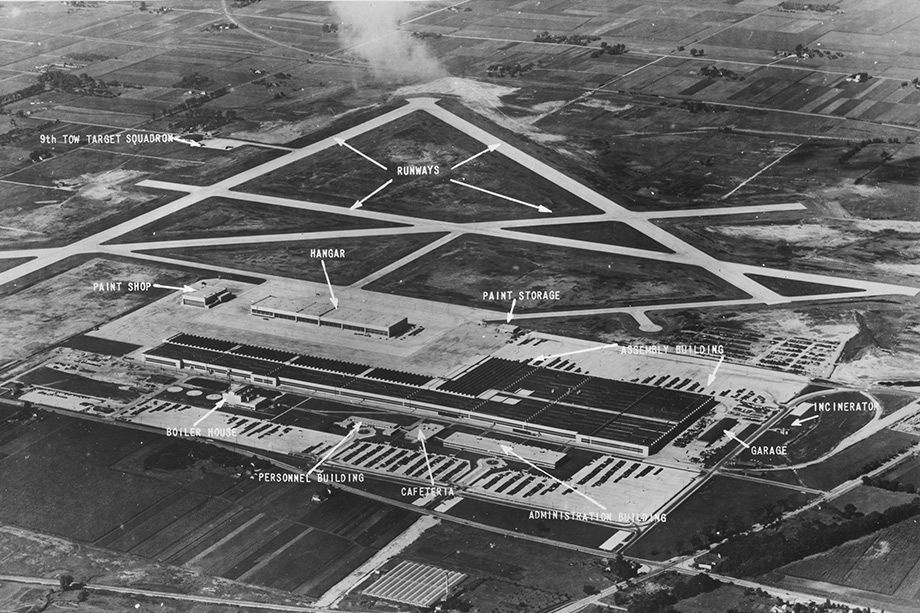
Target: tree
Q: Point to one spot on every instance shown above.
(623, 568)
(65, 581)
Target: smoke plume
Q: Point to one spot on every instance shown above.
(371, 31)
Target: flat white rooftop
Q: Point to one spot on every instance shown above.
(349, 312)
(206, 291)
(537, 455)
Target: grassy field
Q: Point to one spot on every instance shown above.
(460, 271)
(727, 598)
(811, 243)
(56, 302)
(892, 401)
(868, 499)
(338, 176)
(850, 462)
(12, 263)
(507, 518)
(222, 165)
(791, 287)
(705, 512)
(98, 192)
(907, 472)
(605, 232)
(292, 259)
(53, 306)
(218, 216)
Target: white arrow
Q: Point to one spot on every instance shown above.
(540, 208)
(510, 314)
(329, 454)
(732, 435)
(509, 451)
(332, 298)
(341, 142)
(799, 422)
(421, 439)
(359, 203)
(488, 149)
(184, 289)
(541, 357)
(219, 404)
(712, 376)
(188, 141)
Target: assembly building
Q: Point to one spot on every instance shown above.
(506, 395)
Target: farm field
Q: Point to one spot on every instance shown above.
(30, 553)
(57, 467)
(690, 525)
(154, 500)
(339, 176)
(219, 216)
(460, 271)
(885, 562)
(292, 259)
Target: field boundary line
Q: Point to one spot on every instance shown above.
(761, 171)
(213, 547)
(265, 561)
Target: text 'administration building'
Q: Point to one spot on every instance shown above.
(510, 396)
(320, 312)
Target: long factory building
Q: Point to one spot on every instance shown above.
(511, 396)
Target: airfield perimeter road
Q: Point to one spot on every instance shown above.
(733, 273)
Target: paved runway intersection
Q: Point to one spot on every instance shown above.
(733, 273)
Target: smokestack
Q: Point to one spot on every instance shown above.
(370, 30)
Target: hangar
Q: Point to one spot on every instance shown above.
(318, 311)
